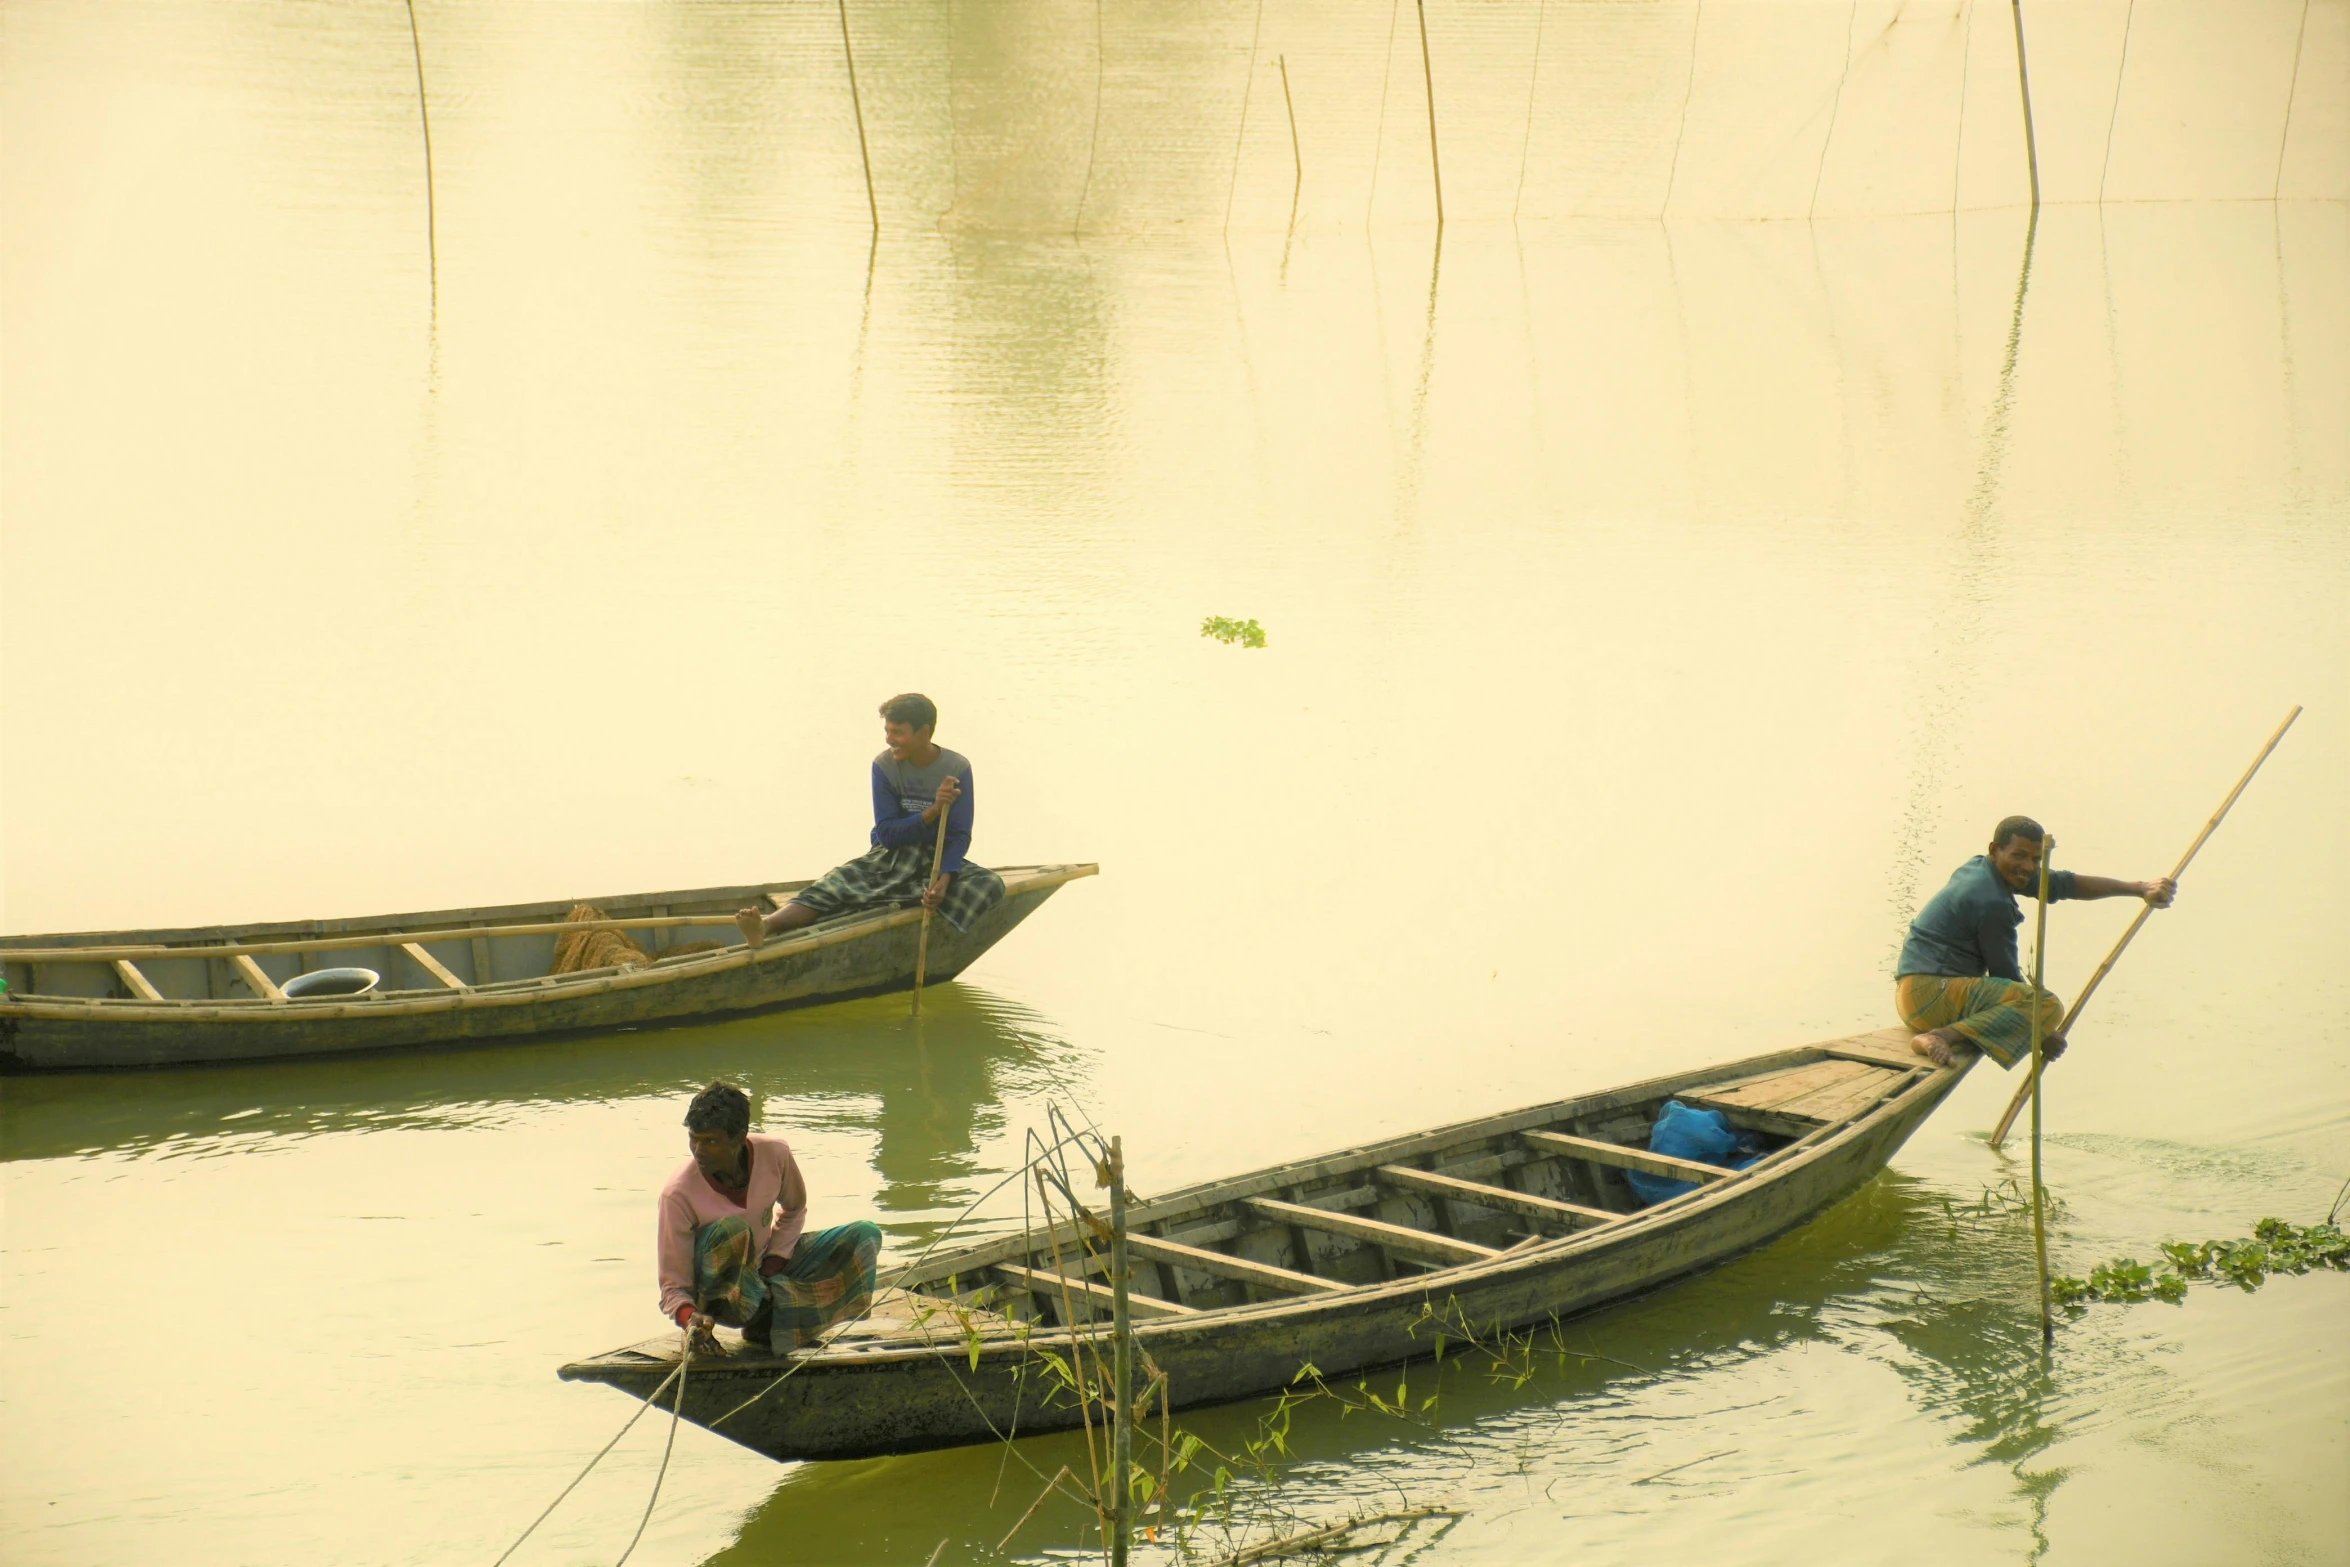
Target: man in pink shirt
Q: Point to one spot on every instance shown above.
(732, 1244)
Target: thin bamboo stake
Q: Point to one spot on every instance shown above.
(2064, 1029)
(1297, 159)
(1077, 1343)
(432, 241)
(2024, 81)
(857, 103)
(938, 853)
(2040, 1192)
(1121, 1365)
(1428, 81)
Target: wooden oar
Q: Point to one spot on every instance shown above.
(2064, 1029)
(938, 852)
(2040, 1192)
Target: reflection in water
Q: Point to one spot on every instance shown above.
(1899, 1276)
(928, 1095)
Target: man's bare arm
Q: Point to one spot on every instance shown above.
(2158, 893)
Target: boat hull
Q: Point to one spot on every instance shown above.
(896, 1401)
(863, 955)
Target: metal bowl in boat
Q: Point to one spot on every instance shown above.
(331, 982)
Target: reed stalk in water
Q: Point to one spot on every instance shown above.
(432, 241)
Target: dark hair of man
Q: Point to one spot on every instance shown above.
(2016, 827)
(913, 709)
(721, 1107)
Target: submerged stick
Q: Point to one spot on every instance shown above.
(2064, 1029)
(2039, 1192)
(938, 853)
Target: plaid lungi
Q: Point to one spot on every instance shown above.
(881, 878)
(1993, 1014)
(829, 1279)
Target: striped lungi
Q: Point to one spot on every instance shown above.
(1995, 1015)
(828, 1279)
(881, 878)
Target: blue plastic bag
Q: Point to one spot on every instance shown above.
(1682, 1132)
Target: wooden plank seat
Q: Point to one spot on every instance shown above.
(1616, 1154)
(1223, 1265)
(138, 983)
(1404, 1241)
(1748, 1119)
(1048, 1284)
(1437, 1184)
(433, 966)
(260, 984)
(1820, 1091)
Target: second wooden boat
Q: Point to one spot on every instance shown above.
(456, 976)
(1352, 1260)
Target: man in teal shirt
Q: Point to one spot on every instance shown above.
(1958, 982)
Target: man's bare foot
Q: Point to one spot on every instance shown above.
(753, 925)
(1935, 1046)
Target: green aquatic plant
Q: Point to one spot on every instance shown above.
(1241, 633)
(2274, 1246)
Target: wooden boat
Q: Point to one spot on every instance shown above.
(455, 976)
(1352, 1260)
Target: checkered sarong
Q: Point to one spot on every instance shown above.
(829, 1279)
(1994, 1014)
(886, 878)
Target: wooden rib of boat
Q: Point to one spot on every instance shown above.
(1339, 1261)
(455, 976)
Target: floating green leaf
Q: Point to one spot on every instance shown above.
(1243, 633)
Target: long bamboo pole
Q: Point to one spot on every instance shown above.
(938, 853)
(2064, 1029)
(262, 949)
(2039, 1191)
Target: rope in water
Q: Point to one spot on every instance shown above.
(685, 1358)
(625, 1428)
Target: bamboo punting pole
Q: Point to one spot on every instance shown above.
(938, 854)
(2064, 1029)
(1428, 81)
(2039, 1191)
(858, 103)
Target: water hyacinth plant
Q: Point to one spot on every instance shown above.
(1241, 633)
(2274, 1246)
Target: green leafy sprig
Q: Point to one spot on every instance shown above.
(1243, 633)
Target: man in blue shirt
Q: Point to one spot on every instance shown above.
(914, 780)
(1958, 982)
